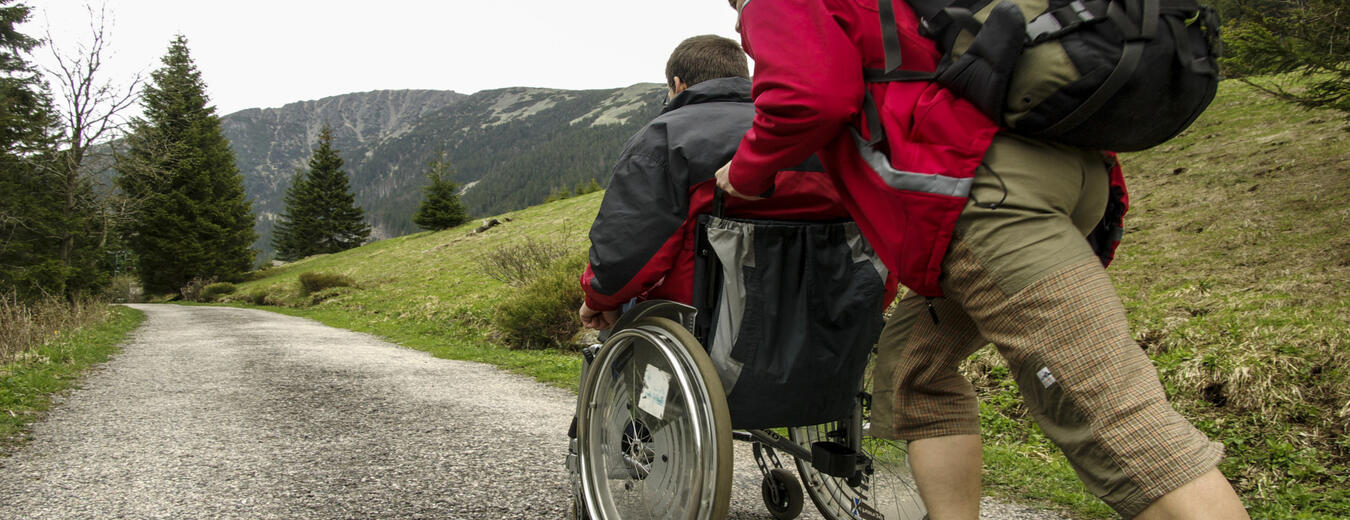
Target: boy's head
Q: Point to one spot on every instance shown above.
(702, 58)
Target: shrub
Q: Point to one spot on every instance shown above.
(25, 325)
(193, 290)
(257, 274)
(323, 295)
(275, 300)
(258, 297)
(544, 313)
(311, 282)
(519, 263)
(124, 289)
(214, 291)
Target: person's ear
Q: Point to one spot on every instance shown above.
(680, 85)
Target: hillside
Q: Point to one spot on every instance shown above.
(270, 144)
(510, 147)
(1235, 271)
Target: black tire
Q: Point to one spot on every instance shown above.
(789, 491)
(654, 433)
(578, 511)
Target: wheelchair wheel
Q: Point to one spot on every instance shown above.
(885, 492)
(782, 494)
(654, 434)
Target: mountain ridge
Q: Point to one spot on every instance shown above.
(511, 147)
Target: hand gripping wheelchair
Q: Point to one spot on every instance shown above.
(789, 312)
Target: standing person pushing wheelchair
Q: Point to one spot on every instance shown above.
(986, 228)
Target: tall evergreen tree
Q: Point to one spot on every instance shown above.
(31, 222)
(192, 218)
(321, 214)
(440, 208)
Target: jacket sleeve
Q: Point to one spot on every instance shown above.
(1106, 236)
(808, 84)
(637, 235)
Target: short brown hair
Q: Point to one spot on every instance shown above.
(706, 57)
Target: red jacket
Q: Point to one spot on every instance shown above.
(808, 92)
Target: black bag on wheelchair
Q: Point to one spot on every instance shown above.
(789, 312)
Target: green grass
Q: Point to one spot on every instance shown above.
(453, 341)
(1236, 275)
(431, 291)
(26, 386)
(1235, 271)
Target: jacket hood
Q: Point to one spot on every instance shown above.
(720, 89)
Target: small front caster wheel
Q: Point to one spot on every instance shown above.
(782, 494)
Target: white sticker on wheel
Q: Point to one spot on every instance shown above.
(655, 387)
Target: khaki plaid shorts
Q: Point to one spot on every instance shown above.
(1019, 275)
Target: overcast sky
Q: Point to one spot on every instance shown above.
(269, 53)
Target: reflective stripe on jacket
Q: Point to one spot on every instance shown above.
(808, 92)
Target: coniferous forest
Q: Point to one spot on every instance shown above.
(55, 232)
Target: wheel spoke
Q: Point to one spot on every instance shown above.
(641, 459)
(888, 492)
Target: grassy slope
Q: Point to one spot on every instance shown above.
(429, 290)
(1237, 279)
(1234, 272)
(26, 386)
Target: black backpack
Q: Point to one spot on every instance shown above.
(1121, 75)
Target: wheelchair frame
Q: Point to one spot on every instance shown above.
(841, 474)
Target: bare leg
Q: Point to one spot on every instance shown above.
(947, 471)
(1209, 496)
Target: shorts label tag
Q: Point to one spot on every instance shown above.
(1047, 378)
(655, 387)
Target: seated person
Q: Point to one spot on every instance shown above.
(643, 239)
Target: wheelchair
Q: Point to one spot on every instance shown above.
(661, 399)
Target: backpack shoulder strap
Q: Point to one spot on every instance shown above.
(890, 35)
(890, 38)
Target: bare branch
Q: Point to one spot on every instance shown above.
(92, 106)
(91, 110)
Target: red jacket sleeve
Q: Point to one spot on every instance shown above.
(808, 84)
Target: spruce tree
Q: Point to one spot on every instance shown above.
(31, 220)
(441, 208)
(1309, 39)
(291, 233)
(192, 217)
(321, 214)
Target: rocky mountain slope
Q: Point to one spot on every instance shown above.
(510, 148)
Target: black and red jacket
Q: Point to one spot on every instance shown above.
(643, 239)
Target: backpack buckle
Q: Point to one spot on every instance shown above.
(1053, 23)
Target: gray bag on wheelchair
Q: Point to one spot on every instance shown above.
(789, 312)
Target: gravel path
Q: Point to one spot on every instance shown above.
(214, 412)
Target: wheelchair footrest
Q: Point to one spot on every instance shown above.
(834, 459)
